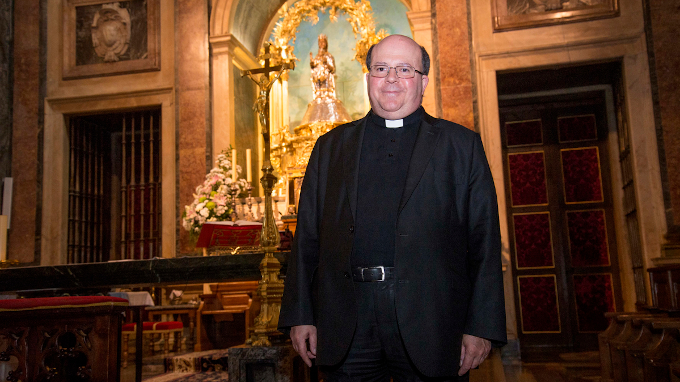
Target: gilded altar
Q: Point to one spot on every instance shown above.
(291, 148)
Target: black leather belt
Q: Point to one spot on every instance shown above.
(378, 273)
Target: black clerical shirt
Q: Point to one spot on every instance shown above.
(385, 156)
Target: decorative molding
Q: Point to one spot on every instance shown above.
(63, 100)
(111, 47)
(518, 14)
(228, 44)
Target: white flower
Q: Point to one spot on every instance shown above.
(200, 206)
(204, 212)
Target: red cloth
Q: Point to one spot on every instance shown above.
(59, 302)
(168, 325)
(146, 325)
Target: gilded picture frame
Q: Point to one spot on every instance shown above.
(105, 38)
(520, 14)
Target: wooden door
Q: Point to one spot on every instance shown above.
(560, 219)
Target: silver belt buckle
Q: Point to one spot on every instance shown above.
(382, 270)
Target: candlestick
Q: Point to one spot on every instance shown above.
(249, 174)
(234, 174)
(233, 191)
(249, 202)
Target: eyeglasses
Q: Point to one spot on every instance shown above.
(402, 71)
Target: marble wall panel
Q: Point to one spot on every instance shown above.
(193, 104)
(453, 47)
(664, 17)
(25, 130)
(5, 88)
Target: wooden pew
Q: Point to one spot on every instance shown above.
(635, 351)
(71, 338)
(226, 299)
(663, 352)
(603, 339)
(632, 329)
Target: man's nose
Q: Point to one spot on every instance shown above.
(392, 77)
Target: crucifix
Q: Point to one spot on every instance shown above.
(270, 288)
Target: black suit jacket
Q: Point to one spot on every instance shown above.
(448, 248)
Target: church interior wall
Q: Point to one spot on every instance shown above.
(661, 22)
(454, 77)
(7, 30)
(193, 104)
(28, 93)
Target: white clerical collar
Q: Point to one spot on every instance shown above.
(394, 123)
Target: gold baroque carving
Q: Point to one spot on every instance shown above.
(359, 15)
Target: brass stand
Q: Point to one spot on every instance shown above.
(10, 263)
(249, 202)
(233, 190)
(270, 288)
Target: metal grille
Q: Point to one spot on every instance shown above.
(88, 220)
(140, 186)
(115, 195)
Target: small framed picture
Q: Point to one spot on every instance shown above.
(519, 14)
(105, 38)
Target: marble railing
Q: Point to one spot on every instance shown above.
(87, 278)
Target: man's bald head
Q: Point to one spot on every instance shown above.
(425, 57)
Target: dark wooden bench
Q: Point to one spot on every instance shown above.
(74, 338)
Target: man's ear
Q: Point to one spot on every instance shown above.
(425, 80)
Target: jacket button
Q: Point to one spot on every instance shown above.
(346, 275)
(351, 229)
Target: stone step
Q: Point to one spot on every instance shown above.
(208, 376)
(198, 362)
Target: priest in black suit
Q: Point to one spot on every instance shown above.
(395, 270)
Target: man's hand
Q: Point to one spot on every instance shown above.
(299, 335)
(473, 352)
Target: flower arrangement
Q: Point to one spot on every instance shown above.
(211, 199)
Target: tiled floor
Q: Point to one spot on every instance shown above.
(547, 367)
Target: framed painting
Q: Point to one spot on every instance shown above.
(104, 38)
(519, 14)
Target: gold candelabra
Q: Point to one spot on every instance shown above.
(270, 289)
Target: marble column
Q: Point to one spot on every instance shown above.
(192, 103)
(26, 130)
(662, 32)
(421, 24)
(453, 58)
(7, 31)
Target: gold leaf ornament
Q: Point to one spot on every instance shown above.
(359, 15)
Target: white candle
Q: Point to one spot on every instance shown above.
(3, 237)
(234, 174)
(249, 174)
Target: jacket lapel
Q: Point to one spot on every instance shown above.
(351, 152)
(428, 135)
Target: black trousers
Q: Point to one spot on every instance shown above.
(377, 353)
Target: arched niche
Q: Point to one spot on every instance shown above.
(238, 29)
